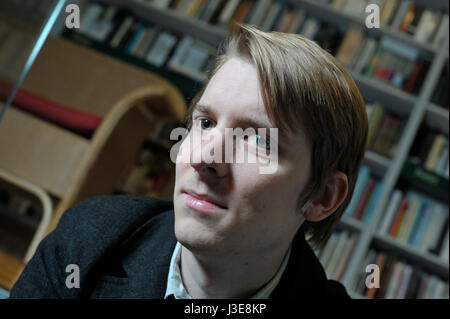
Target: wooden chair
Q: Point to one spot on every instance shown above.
(68, 166)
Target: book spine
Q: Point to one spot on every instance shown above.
(392, 208)
(363, 177)
(436, 149)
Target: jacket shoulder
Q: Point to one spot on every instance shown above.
(86, 234)
(112, 214)
(336, 290)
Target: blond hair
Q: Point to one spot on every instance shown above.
(303, 86)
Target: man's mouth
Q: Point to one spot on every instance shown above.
(202, 202)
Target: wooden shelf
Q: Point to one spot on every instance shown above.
(437, 117)
(336, 16)
(173, 21)
(428, 261)
(10, 270)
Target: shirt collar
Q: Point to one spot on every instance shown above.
(176, 288)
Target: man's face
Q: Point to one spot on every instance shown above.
(223, 208)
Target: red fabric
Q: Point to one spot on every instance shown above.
(76, 120)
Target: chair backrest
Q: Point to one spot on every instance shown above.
(69, 166)
(79, 77)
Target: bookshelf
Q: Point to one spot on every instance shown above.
(415, 108)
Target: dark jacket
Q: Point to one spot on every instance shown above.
(123, 246)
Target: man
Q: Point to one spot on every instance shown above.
(233, 232)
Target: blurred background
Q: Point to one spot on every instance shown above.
(87, 109)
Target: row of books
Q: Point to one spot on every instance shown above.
(405, 16)
(365, 196)
(159, 47)
(431, 150)
(418, 221)
(385, 130)
(266, 14)
(425, 25)
(411, 218)
(399, 279)
(336, 254)
(387, 60)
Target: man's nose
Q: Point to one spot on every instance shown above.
(208, 157)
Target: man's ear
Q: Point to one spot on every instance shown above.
(332, 196)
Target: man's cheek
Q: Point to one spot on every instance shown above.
(184, 152)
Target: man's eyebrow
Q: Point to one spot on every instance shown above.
(243, 122)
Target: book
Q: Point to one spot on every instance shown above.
(396, 279)
(387, 13)
(349, 45)
(228, 11)
(413, 18)
(102, 27)
(385, 276)
(366, 54)
(347, 251)
(337, 253)
(374, 200)
(423, 286)
(161, 49)
(406, 276)
(414, 284)
(260, 12)
(360, 283)
(431, 287)
(310, 28)
(435, 151)
(423, 222)
(89, 17)
(437, 220)
(443, 230)
(298, 20)
(400, 14)
(387, 134)
(426, 27)
(242, 11)
(272, 16)
(327, 251)
(363, 177)
(374, 123)
(388, 216)
(193, 8)
(419, 218)
(409, 218)
(145, 43)
(370, 293)
(364, 200)
(285, 21)
(118, 36)
(398, 217)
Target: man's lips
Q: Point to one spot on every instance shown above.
(202, 202)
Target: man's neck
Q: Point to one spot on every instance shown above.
(237, 276)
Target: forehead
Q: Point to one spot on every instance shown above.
(235, 88)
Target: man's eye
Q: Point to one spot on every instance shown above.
(205, 124)
(261, 141)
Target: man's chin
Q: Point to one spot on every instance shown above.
(195, 237)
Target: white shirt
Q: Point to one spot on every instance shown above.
(176, 288)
